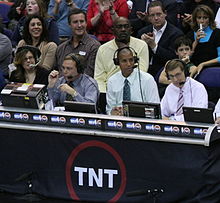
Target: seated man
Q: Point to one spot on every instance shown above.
(183, 91)
(130, 83)
(74, 84)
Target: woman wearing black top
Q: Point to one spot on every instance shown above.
(27, 69)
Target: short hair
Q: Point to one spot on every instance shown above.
(78, 59)
(75, 11)
(206, 10)
(119, 18)
(26, 34)
(154, 4)
(182, 40)
(173, 64)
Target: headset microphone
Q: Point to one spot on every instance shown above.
(70, 77)
(34, 65)
(181, 83)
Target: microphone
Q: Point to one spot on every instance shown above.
(70, 77)
(34, 65)
(182, 83)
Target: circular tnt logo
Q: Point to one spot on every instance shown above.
(77, 155)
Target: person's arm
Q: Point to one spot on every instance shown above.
(110, 99)
(199, 97)
(163, 78)
(100, 73)
(49, 51)
(5, 47)
(91, 59)
(53, 32)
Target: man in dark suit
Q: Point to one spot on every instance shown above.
(160, 36)
(138, 15)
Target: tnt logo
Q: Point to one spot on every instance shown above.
(87, 170)
(96, 178)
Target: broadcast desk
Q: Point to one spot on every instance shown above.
(100, 158)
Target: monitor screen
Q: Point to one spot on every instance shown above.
(201, 115)
(141, 109)
(82, 107)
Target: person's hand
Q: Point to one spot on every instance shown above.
(142, 15)
(217, 121)
(52, 78)
(187, 19)
(117, 111)
(68, 89)
(200, 34)
(58, 1)
(19, 8)
(193, 71)
(149, 38)
(200, 67)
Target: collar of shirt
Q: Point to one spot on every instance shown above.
(76, 82)
(159, 33)
(131, 78)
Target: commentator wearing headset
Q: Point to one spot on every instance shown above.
(74, 84)
(130, 83)
(183, 91)
(27, 68)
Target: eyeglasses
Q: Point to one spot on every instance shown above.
(28, 58)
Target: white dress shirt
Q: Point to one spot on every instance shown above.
(115, 87)
(194, 93)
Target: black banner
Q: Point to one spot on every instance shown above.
(102, 169)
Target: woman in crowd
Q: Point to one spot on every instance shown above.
(101, 14)
(34, 7)
(35, 34)
(27, 70)
(205, 37)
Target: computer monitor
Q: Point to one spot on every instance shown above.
(141, 109)
(82, 107)
(201, 115)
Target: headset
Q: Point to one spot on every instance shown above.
(34, 50)
(136, 60)
(186, 71)
(79, 65)
(117, 52)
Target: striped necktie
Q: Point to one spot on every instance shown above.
(126, 91)
(180, 103)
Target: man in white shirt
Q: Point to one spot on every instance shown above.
(182, 88)
(141, 85)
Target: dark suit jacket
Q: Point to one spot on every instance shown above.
(140, 5)
(165, 50)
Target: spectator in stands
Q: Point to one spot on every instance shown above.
(183, 49)
(36, 7)
(80, 43)
(60, 9)
(35, 34)
(205, 37)
(5, 53)
(183, 91)
(159, 36)
(189, 7)
(129, 83)
(100, 17)
(17, 11)
(74, 84)
(27, 68)
(139, 18)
